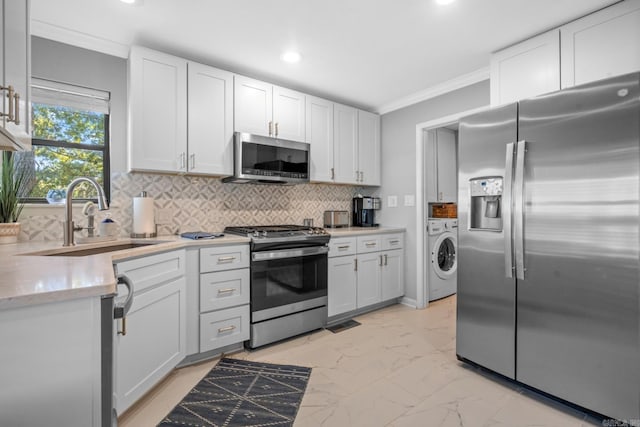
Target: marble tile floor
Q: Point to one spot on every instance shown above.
(398, 368)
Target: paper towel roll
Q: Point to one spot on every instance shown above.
(143, 216)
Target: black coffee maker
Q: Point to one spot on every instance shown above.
(363, 208)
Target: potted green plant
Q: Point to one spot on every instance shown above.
(12, 180)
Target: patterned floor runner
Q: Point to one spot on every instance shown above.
(243, 393)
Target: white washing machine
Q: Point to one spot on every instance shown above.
(443, 257)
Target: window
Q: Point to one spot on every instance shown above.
(70, 139)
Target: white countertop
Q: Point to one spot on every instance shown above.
(29, 276)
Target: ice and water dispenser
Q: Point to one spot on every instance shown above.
(486, 203)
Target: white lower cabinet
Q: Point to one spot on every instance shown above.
(364, 271)
(151, 340)
(342, 279)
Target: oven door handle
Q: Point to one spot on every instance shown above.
(289, 253)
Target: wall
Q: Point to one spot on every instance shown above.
(398, 167)
(191, 203)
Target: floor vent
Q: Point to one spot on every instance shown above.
(343, 326)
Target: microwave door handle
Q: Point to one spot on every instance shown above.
(507, 210)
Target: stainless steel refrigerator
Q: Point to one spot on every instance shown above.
(548, 244)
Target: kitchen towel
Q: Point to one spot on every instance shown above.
(197, 235)
(143, 215)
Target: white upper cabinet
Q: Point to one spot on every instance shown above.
(603, 44)
(319, 135)
(527, 69)
(442, 171)
(345, 131)
(157, 111)
(15, 60)
(180, 115)
(210, 120)
(368, 148)
(263, 109)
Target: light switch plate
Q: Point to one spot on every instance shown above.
(409, 200)
(392, 201)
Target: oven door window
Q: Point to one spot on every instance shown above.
(285, 281)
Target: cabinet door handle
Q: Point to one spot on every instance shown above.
(343, 247)
(270, 128)
(370, 244)
(16, 99)
(226, 291)
(193, 161)
(355, 264)
(226, 258)
(123, 330)
(333, 175)
(361, 176)
(394, 242)
(10, 95)
(357, 176)
(226, 329)
(276, 129)
(385, 259)
(381, 261)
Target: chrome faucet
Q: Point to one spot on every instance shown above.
(69, 227)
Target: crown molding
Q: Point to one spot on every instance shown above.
(437, 90)
(76, 38)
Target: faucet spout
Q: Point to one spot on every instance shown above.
(69, 227)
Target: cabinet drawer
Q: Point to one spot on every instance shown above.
(342, 246)
(369, 244)
(224, 289)
(392, 241)
(224, 258)
(224, 327)
(152, 270)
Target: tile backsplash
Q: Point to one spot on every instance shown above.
(203, 204)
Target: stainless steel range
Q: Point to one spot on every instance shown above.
(288, 280)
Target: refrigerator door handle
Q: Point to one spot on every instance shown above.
(518, 208)
(506, 211)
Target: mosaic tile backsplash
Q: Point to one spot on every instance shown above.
(204, 204)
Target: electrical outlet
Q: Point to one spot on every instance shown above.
(409, 200)
(392, 201)
(163, 216)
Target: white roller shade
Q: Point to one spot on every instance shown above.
(77, 97)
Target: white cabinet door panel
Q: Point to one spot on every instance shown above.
(345, 159)
(600, 45)
(210, 120)
(253, 107)
(342, 290)
(224, 327)
(224, 289)
(369, 280)
(392, 274)
(447, 169)
(288, 114)
(319, 135)
(158, 111)
(369, 148)
(154, 342)
(527, 69)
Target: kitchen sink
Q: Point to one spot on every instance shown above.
(75, 251)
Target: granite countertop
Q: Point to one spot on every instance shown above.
(31, 276)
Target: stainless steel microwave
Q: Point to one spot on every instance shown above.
(269, 160)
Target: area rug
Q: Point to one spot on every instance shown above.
(243, 393)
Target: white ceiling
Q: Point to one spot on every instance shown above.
(374, 54)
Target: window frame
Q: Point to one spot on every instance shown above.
(106, 157)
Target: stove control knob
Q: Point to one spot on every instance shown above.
(264, 234)
(256, 233)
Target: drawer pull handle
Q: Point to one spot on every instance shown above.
(226, 258)
(226, 329)
(370, 244)
(394, 242)
(343, 247)
(226, 291)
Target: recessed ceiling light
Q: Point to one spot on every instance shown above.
(291, 57)
(443, 2)
(134, 2)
